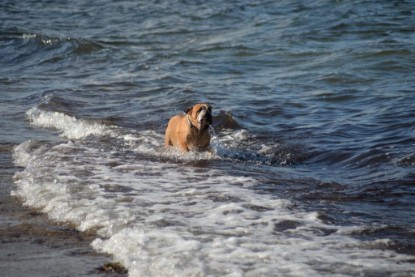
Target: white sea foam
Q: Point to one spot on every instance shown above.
(164, 219)
(70, 127)
(171, 219)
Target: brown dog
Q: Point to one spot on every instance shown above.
(190, 131)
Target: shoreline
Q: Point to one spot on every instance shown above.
(32, 245)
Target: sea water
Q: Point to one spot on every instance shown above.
(311, 171)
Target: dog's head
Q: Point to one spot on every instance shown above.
(200, 115)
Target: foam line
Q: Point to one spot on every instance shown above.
(70, 127)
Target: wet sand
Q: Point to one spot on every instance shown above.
(32, 245)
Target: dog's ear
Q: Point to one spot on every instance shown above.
(188, 110)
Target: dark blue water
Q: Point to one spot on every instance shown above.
(313, 104)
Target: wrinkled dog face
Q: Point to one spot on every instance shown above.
(201, 114)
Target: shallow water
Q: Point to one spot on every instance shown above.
(312, 169)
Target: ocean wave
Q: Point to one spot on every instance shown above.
(232, 143)
(163, 212)
(161, 218)
(68, 126)
(78, 46)
(28, 48)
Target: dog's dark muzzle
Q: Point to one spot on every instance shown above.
(205, 117)
(208, 117)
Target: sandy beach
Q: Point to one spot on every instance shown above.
(32, 245)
